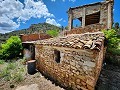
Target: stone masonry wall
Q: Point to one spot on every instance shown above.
(78, 69)
(34, 37)
(104, 22)
(89, 28)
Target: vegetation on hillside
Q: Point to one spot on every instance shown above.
(34, 28)
(53, 33)
(11, 48)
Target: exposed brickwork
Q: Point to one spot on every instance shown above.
(34, 37)
(78, 68)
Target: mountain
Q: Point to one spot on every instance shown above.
(34, 28)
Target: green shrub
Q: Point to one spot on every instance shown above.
(11, 66)
(113, 46)
(112, 38)
(52, 33)
(17, 77)
(2, 61)
(12, 72)
(11, 48)
(5, 73)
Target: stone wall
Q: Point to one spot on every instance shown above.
(78, 68)
(81, 12)
(34, 37)
(89, 28)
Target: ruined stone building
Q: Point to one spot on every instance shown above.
(93, 17)
(75, 60)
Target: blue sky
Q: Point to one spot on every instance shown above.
(20, 14)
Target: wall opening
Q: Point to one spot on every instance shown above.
(57, 56)
(92, 18)
(29, 51)
(32, 50)
(77, 23)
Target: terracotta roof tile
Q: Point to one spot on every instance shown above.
(77, 41)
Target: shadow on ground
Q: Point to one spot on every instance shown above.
(109, 78)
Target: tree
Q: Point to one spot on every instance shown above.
(111, 36)
(116, 25)
(66, 27)
(11, 48)
(52, 33)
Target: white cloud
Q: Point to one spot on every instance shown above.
(53, 0)
(52, 21)
(113, 10)
(64, 0)
(72, 0)
(60, 19)
(64, 20)
(13, 12)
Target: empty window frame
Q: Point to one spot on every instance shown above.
(57, 56)
(77, 23)
(92, 18)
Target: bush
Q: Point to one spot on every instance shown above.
(113, 46)
(17, 77)
(112, 38)
(13, 72)
(11, 48)
(52, 33)
(2, 61)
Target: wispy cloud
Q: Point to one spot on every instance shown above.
(13, 12)
(53, 0)
(52, 21)
(60, 19)
(72, 0)
(64, 0)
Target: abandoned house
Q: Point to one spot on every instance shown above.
(93, 17)
(75, 60)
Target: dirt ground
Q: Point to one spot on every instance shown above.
(43, 84)
(109, 79)
(31, 82)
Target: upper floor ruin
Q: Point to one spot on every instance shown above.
(93, 17)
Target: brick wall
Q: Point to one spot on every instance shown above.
(34, 37)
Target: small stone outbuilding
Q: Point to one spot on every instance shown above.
(73, 61)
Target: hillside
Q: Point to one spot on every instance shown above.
(34, 28)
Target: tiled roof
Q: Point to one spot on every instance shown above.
(77, 41)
